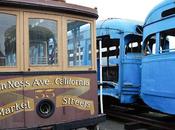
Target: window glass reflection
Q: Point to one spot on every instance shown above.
(43, 42)
(8, 40)
(79, 43)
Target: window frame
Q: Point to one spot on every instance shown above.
(19, 60)
(66, 67)
(164, 36)
(146, 47)
(57, 67)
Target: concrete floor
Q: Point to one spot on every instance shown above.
(109, 124)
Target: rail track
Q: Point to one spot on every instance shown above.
(145, 118)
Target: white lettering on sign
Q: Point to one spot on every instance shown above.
(38, 82)
(14, 108)
(14, 84)
(42, 82)
(75, 102)
(69, 81)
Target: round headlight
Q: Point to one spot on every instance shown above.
(45, 108)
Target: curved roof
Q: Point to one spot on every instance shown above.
(157, 12)
(51, 5)
(115, 26)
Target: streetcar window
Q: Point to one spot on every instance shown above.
(8, 40)
(150, 45)
(133, 47)
(167, 41)
(110, 51)
(79, 43)
(43, 42)
(133, 43)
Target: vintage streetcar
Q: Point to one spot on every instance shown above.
(139, 65)
(47, 66)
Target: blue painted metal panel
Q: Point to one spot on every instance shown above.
(112, 92)
(159, 26)
(158, 84)
(132, 70)
(115, 26)
(131, 77)
(111, 89)
(155, 13)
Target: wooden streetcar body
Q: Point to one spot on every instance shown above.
(48, 66)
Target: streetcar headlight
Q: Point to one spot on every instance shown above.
(45, 108)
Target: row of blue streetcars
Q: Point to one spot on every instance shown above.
(138, 60)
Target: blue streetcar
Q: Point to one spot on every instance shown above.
(121, 58)
(139, 68)
(158, 82)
